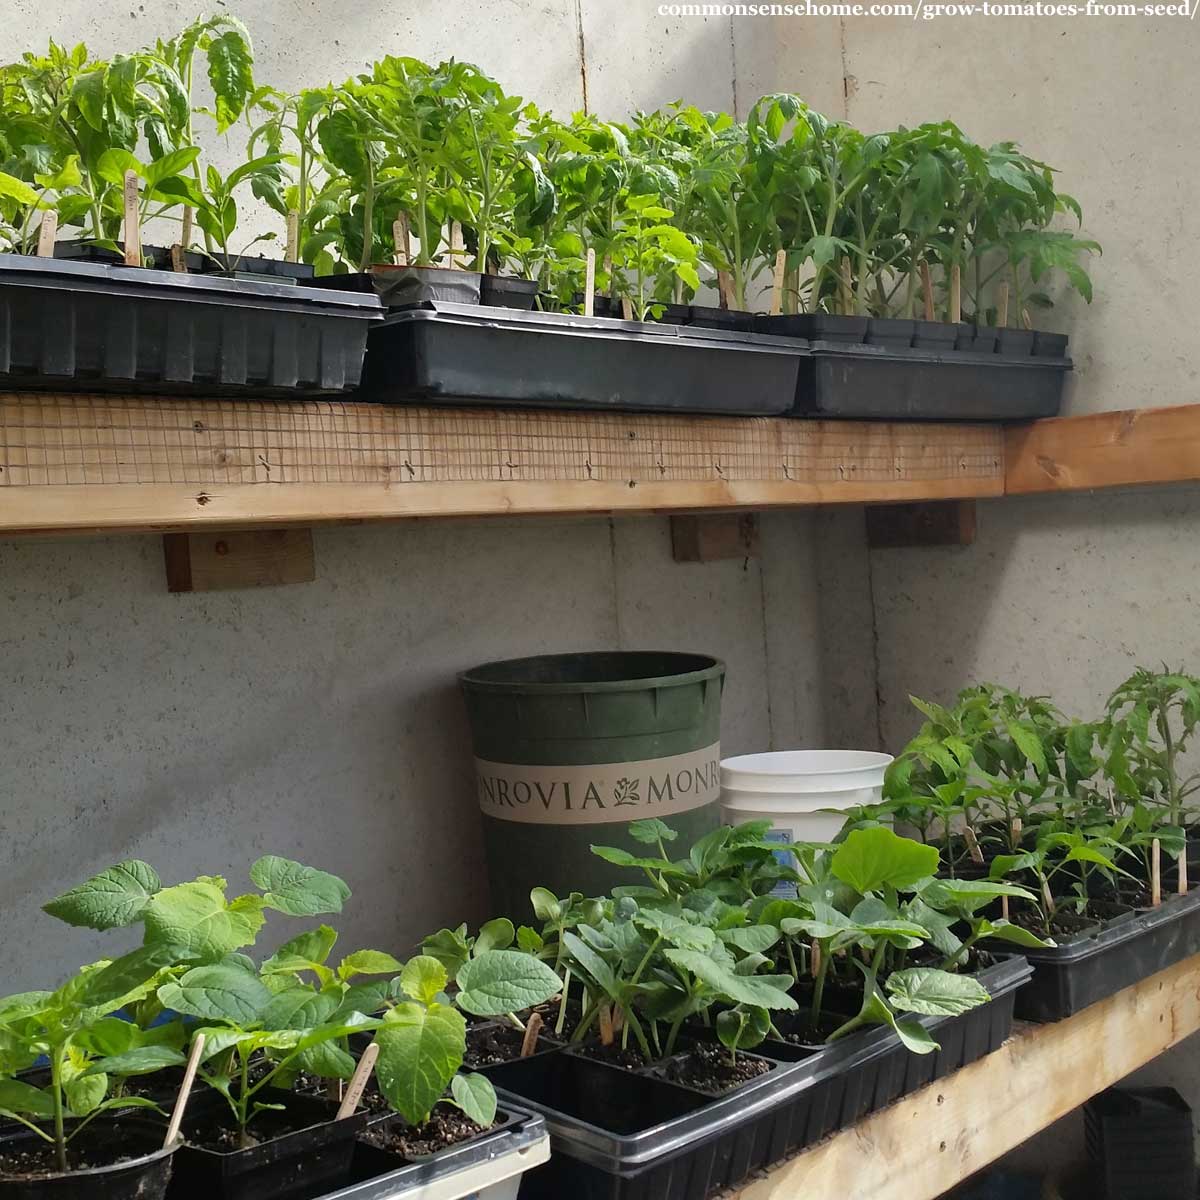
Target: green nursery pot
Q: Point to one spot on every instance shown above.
(569, 748)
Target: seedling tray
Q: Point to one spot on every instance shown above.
(1117, 954)
(879, 382)
(489, 1167)
(86, 326)
(661, 1140)
(470, 354)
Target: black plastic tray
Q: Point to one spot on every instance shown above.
(702, 1147)
(464, 353)
(78, 325)
(911, 383)
(1139, 1143)
(1075, 974)
(519, 1131)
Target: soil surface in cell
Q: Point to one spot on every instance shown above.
(628, 1059)
(446, 1127)
(219, 1132)
(104, 1147)
(491, 1045)
(710, 1069)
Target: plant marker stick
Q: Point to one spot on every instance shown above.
(185, 238)
(358, 1081)
(972, 844)
(1017, 826)
(1049, 899)
(1155, 874)
(927, 288)
(458, 248)
(777, 283)
(814, 959)
(955, 294)
(133, 232)
(185, 1090)
(178, 262)
(1002, 306)
(589, 284)
(1183, 872)
(46, 234)
(608, 271)
(401, 242)
(293, 235)
(1026, 320)
(1004, 907)
(626, 309)
(847, 288)
(725, 289)
(606, 1025)
(533, 1027)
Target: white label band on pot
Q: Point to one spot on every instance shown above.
(600, 793)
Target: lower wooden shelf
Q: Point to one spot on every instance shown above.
(927, 1143)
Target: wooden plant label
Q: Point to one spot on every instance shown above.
(847, 288)
(401, 241)
(1002, 305)
(1156, 873)
(358, 1081)
(47, 232)
(606, 1025)
(1047, 898)
(589, 284)
(293, 236)
(185, 237)
(814, 958)
(955, 294)
(133, 231)
(972, 845)
(533, 1027)
(178, 260)
(626, 309)
(458, 247)
(185, 1090)
(1026, 319)
(1004, 907)
(1183, 873)
(777, 283)
(725, 289)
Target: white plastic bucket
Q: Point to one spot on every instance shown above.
(790, 787)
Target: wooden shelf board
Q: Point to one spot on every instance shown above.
(924, 1145)
(78, 463)
(1108, 449)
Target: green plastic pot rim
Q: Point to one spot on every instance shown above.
(471, 681)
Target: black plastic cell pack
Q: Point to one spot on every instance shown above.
(81, 325)
(875, 369)
(1069, 977)
(461, 353)
(620, 1136)
(1140, 1144)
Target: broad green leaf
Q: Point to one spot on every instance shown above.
(125, 975)
(476, 1097)
(545, 904)
(219, 992)
(750, 939)
(742, 1028)
(495, 935)
(106, 1037)
(912, 1034)
(505, 981)
(302, 953)
(88, 92)
(755, 990)
(85, 1092)
(113, 164)
(449, 946)
(622, 858)
(327, 1060)
(423, 977)
(231, 76)
(935, 993)
(826, 922)
(1029, 744)
(217, 1040)
(878, 919)
(420, 1050)
(873, 858)
(16, 189)
(1017, 934)
(299, 1009)
(592, 963)
(368, 962)
(530, 940)
(196, 916)
(969, 895)
(25, 1099)
(174, 163)
(675, 930)
(142, 1060)
(110, 900)
(298, 890)
(650, 830)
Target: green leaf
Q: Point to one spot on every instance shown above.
(674, 929)
(219, 992)
(302, 953)
(84, 1093)
(420, 1049)
(142, 1060)
(1029, 744)
(912, 1034)
(761, 991)
(423, 977)
(298, 890)
(505, 981)
(826, 922)
(592, 963)
(110, 900)
(495, 935)
(935, 993)
(113, 164)
(300, 1008)
(1017, 934)
(171, 164)
(750, 939)
(873, 858)
(88, 92)
(14, 189)
(968, 895)
(743, 1027)
(650, 830)
(107, 1036)
(530, 940)
(476, 1097)
(127, 974)
(231, 75)
(327, 1060)
(545, 904)
(25, 1099)
(196, 916)
(622, 858)
(369, 962)
(449, 946)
